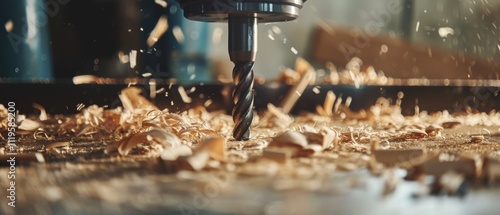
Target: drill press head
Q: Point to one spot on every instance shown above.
(221, 10)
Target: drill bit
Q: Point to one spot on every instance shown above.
(242, 18)
(242, 51)
(243, 100)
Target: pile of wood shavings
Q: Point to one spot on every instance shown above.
(142, 129)
(294, 148)
(297, 151)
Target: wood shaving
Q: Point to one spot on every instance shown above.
(132, 100)
(293, 95)
(160, 28)
(29, 125)
(185, 98)
(43, 113)
(477, 138)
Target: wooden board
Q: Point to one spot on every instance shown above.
(396, 57)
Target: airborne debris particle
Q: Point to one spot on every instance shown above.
(446, 31)
(133, 58)
(316, 90)
(9, 26)
(80, 106)
(178, 34)
(152, 88)
(383, 49)
(271, 37)
(160, 28)
(162, 3)
(217, 35)
(161, 90)
(184, 96)
(207, 103)
(123, 58)
(276, 29)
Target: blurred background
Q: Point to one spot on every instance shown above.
(48, 40)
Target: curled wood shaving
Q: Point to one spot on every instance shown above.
(477, 138)
(173, 154)
(57, 145)
(434, 130)
(296, 143)
(213, 147)
(326, 137)
(43, 113)
(153, 136)
(29, 125)
(195, 162)
(275, 118)
(184, 96)
(291, 139)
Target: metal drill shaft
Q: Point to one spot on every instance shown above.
(243, 100)
(242, 51)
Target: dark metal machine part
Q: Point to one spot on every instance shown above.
(242, 18)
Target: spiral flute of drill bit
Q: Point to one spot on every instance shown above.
(243, 99)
